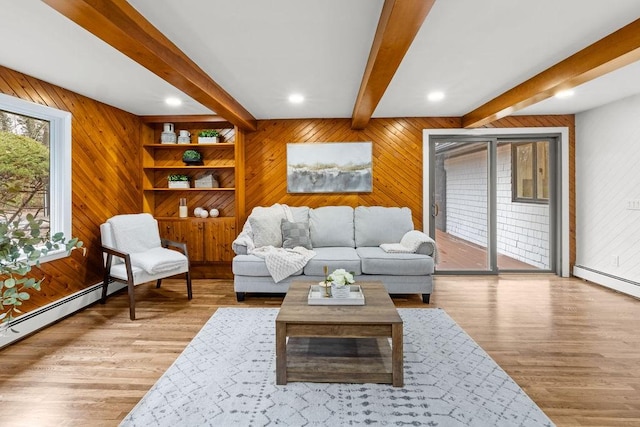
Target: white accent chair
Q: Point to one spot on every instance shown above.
(134, 253)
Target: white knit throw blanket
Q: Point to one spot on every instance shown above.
(410, 243)
(281, 263)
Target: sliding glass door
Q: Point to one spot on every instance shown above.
(461, 208)
(493, 202)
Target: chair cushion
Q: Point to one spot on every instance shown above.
(376, 225)
(377, 261)
(295, 234)
(331, 226)
(159, 260)
(133, 233)
(251, 265)
(333, 258)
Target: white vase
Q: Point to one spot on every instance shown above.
(340, 291)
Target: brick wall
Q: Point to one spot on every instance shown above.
(522, 228)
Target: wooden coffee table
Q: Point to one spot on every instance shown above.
(346, 344)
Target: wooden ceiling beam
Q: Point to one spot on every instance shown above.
(614, 51)
(119, 24)
(399, 23)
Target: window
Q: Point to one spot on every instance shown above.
(41, 183)
(530, 172)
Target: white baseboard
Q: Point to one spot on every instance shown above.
(619, 284)
(33, 321)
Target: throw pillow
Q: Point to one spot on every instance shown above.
(295, 234)
(266, 230)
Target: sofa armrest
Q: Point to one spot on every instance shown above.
(426, 248)
(427, 245)
(239, 249)
(243, 243)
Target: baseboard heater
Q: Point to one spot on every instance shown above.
(619, 284)
(31, 322)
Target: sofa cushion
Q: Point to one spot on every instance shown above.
(300, 213)
(376, 261)
(333, 258)
(295, 234)
(376, 225)
(331, 226)
(251, 265)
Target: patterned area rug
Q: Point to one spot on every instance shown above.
(226, 376)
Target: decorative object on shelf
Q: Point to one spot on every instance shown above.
(329, 168)
(192, 157)
(178, 181)
(184, 137)
(168, 135)
(208, 136)
(214, 213)
(196, 212)
(206, 181)
(340, 281)
(204, 213)
(183, 211)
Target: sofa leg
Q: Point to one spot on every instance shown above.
(425, 298)
(240, 296)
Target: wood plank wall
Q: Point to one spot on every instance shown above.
(105, 178)
(397, 159)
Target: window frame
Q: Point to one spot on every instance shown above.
(514, 173)
(59, 163)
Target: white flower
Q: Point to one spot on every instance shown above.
(341, 277)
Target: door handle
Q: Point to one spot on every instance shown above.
(435, 209)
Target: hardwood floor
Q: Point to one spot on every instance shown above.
(574, 347)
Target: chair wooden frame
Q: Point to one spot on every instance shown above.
(111, 252)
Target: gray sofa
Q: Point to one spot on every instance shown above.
(343, 237)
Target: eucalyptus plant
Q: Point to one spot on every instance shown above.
(21, 246)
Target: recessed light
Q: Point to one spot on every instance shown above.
(435, 96)
(296, 98)
(565, 93)
(173, 101)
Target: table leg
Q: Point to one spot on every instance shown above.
(397, 362)
(281, 353)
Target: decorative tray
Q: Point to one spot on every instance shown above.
(317, 297)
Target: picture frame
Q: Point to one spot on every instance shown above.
(329, 167)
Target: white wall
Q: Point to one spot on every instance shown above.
(607, 176)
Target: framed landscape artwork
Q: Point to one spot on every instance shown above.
(329, 167)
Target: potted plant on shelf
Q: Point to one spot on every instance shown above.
(192, 157)
(178, 181)
(208, 136)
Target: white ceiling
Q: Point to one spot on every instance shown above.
(262, 51)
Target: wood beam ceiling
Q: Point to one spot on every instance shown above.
(614, 51)
(399, 23)
(117, 23)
